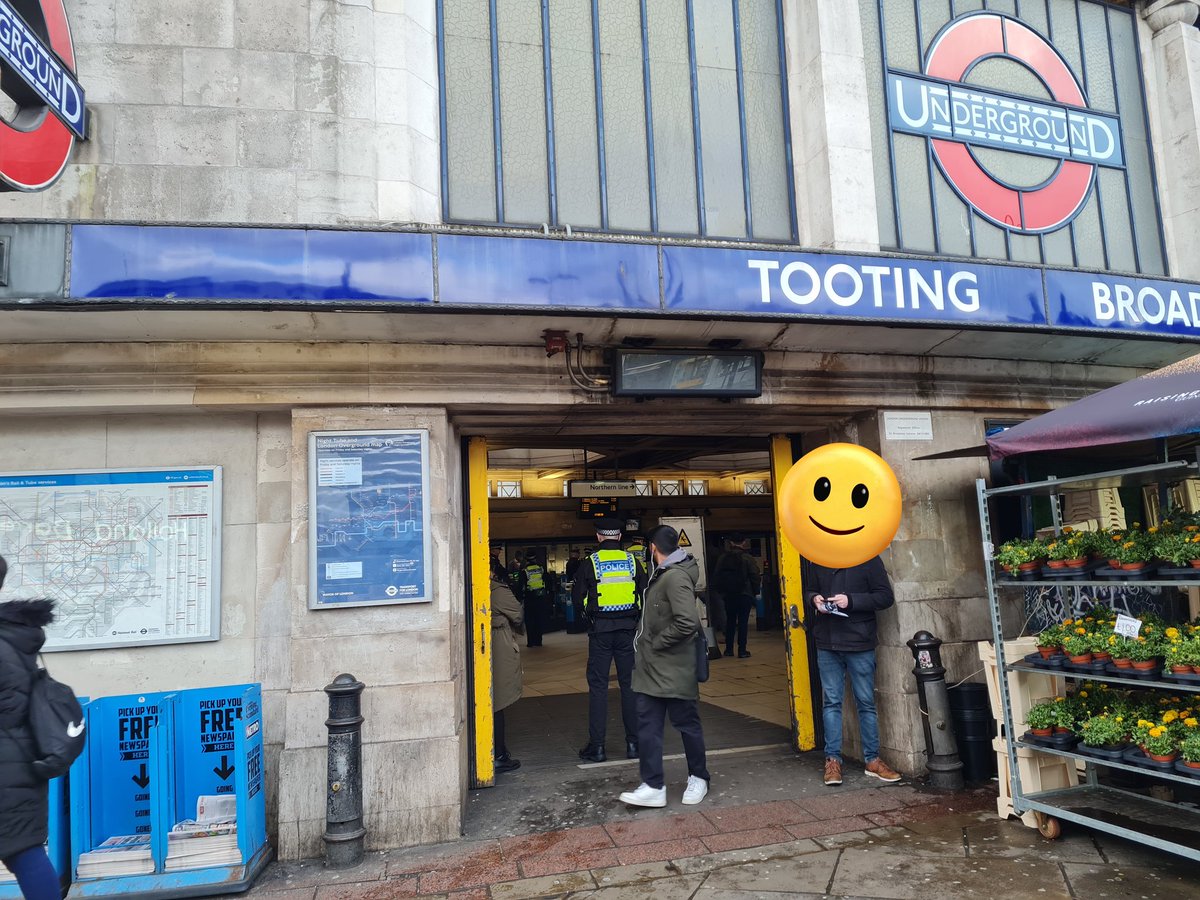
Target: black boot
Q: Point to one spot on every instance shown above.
(593, 753)
(631, 750)
(505, 763)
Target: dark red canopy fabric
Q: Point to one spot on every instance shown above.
(1161, 404)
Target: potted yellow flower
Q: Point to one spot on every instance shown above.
(1077, 644)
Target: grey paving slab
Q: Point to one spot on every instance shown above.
(1133, 882)
(1001, 839)
(716, 894)
(891, 874)
(678, 888)
(712, 861)
(615, 875)
(945, 843)
(854, 838)
(546, 886)
(1125, 852)
(811, 872)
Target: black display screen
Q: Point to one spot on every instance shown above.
(688, 373)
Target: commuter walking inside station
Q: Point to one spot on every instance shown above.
(736, 577)
(664, 673)
(609, 584)
(24, 796)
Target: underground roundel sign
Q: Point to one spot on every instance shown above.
(37, 72)
(958, 117)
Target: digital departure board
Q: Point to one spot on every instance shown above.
(597, 507)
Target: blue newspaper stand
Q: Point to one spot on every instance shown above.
(149, 758)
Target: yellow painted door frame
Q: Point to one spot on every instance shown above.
(791, 593)
(480, 624)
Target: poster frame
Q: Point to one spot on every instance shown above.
(216, 530)
(314, 603)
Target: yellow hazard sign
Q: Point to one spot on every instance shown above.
(684, 540)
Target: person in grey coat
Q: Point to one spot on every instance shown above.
(508, 621)
(664, 672)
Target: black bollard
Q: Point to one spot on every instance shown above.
(941, 751)
(345, 835)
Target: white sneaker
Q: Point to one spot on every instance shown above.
(696, 790)
(646, 796)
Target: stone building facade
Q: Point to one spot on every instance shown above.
(252, 120)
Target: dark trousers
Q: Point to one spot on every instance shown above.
(498, 728)
(603, 648)
(35, 876)
(685, 716)
(535, 612)
(737, 618)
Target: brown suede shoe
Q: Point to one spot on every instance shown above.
(881, 770)
(833, 772)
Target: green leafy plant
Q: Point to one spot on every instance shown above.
(1077, 642)
(1144, 649)
(1051, 637)
(1189, 746)
(1066, 713)
(1119, 646)
(1017, 552)
(1103, 730)
(1065, 546)
(1134, 547)
(1042, 715)
(1178, 548)
(1161, 741)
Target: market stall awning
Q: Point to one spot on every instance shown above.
(1158, 405)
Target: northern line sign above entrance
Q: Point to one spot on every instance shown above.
(169, 266)
(956, 116)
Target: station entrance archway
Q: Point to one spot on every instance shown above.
(500, 513)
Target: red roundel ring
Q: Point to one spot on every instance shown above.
(33, 160)
(1037, 210)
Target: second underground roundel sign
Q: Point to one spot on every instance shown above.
(956, 116)
(37, 57)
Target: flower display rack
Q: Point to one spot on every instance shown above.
(1015, 681)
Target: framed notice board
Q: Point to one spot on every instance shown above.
(131, 557)
(368, 529)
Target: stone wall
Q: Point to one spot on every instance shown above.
(252, 111)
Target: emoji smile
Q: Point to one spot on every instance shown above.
(834, 530)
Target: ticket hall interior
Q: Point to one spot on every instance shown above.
(712, 489)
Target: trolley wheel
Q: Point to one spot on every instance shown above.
(1048, 826)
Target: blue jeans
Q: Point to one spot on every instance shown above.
(833, 666)
(35, 876)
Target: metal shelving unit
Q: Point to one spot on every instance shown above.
(1156, 823)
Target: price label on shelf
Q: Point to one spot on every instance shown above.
(1127, 626)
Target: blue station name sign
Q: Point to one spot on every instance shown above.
(24, 52)
(296, 268)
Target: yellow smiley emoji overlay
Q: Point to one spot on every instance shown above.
(840, 505)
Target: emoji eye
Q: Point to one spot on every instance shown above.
(859, 496)
(821, 489)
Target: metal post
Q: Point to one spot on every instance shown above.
(945, 768)
(344, 832)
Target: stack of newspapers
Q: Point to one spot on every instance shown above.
(208, 840)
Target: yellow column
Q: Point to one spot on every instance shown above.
(481, 612)
(792, 597)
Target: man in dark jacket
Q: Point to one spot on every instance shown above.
(664, 673)
(24, 800)
(736, 577)
(843, 604)
(609, 585)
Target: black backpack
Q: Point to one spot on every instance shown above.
(56, 722)
(729, 578)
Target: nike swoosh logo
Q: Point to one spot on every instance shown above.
(74, 730)
(834, 530)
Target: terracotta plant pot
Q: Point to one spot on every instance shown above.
(1102, 656)
(1078, 563)
(1170, 757)
(1133, 566)
(1196, 669)
(1041, 732)
(1145, 665)
(1082, 659)
(1122, 663)
(1057, 563)
(1058, 730)
(1047, 652)
(1030, 566)
(1181, 670)
(1114, 564)
(1195, 565)
(1191, 765)
(1007, 569)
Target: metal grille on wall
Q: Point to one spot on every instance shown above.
(1013, 129)
(631, 116)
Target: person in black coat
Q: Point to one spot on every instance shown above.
(842, 604)
(24, 796)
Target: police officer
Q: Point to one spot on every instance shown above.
(609, 584)
(533, 594)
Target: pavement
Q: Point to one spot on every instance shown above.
(858, 841)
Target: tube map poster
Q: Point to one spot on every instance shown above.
(130, 557)
(369, 520)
